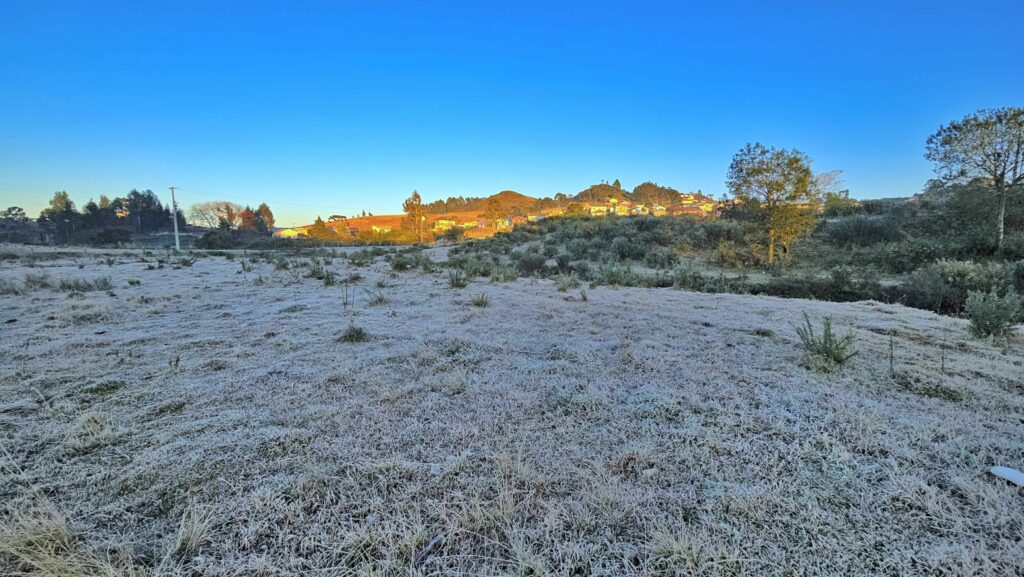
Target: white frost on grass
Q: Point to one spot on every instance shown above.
(201, 423)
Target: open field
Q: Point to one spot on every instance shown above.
(215, 418)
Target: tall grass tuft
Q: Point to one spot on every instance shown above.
(458, 279)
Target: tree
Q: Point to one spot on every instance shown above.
(780, 183)
(249, 220)
(575, 209)
(494, 210)
(61, 214)
(266, 215)
(320, 230)
(415, 215)
(651, 193)
(145, 211)
(15, 214)
(988, 144)
(217, 214)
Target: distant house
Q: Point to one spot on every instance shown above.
(290, 232)
(519, 220)
(658, 210)
(622, 209)
(536, 217)
(503, 223)
(470, 224)
(597, 210)
(380, 229)
(443, 224)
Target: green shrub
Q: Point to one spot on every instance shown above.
(828, 350)
(354, 334)
(943, 286)
(530, 262)
(401, 263)
(660, 257)
(504, 274)
(481, 300)
(565, 282)
(991, 314)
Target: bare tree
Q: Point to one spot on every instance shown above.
(217, 214)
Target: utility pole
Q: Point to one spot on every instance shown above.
(174, 217)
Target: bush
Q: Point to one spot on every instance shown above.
(530, 262)
(481, 300)
(660, 257)
(111, 237)
(991, 314)
(826, 351)
(564, 282)
(943, 286)
(354, 334)
(862, 230)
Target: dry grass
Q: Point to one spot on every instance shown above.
(642, 433)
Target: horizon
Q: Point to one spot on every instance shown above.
(320, 109)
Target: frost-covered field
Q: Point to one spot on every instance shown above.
(208, 421)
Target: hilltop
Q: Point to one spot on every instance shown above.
(484, 216)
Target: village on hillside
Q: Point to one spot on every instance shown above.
(508, 209)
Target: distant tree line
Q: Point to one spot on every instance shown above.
(107, 221)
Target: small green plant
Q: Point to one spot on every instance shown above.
(329, 278)
(134, 282)
(375, 297)
(504, 274)
(992, 315)
(458, 279)
(110, 261)
(583, 295)
(354, 334)
(828, 350)
(481, 300)
(401, 263)
(564, 282)
(316, 269)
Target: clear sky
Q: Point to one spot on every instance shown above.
(336, 107)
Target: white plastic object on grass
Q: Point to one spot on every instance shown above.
(1011, 475)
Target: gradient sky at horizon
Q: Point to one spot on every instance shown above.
(337, 107)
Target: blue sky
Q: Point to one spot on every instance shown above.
(336, 107)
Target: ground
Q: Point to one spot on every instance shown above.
(212, 420)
